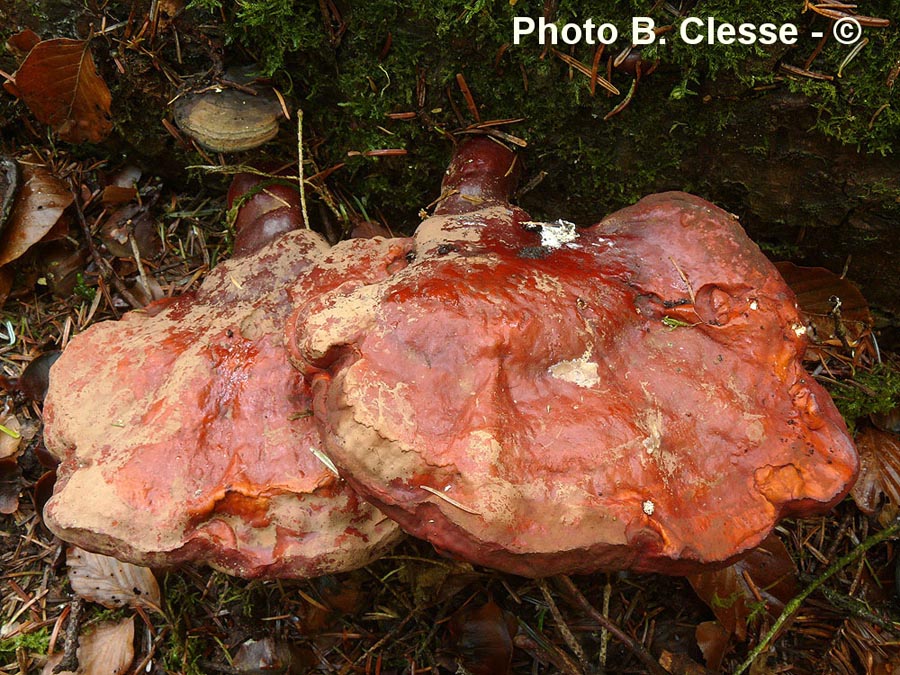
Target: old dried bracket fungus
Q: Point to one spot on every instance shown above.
(541, 398)
(184, 434)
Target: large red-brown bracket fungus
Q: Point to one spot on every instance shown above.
(184, 433)
(542, 398)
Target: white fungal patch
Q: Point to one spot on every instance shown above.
(799, 329)
(651, 444)
(651, 421)
(754, 304)
(581, 371)
(649, 507)
(556, 234)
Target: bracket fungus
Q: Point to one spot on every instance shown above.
(184, 434)
(228, 120)
(542, 398)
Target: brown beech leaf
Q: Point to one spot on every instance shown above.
(259, 657)
(481, 639)
(10, 436)
(713, 640)
(105, 649)
(41, 200)
(879, 469)
(58, 81)
(728, 592)
(23, 42)
(10, 486)
(817, 290)
(6, 283)
(116, 195)
(681, 664)
(110, 582)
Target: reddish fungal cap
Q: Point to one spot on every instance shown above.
(545, 399)
(184, 434)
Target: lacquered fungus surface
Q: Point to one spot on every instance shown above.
(184, 434)
(541, 398)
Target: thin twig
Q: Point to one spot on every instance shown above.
(300, 168)
(561, 624)
(70, 646)
(637, 649)
(105, 268)
(604, 631)
(798, 600)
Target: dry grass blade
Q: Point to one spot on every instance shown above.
(110, 582)
(800, 72)
(467, 94)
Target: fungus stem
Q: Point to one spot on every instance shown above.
(798, 600)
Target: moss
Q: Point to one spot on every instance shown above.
(348, 82)
(877, 391)
(35, 642)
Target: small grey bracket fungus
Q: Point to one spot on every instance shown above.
(228, 120)
(184, 434)
(632, 397)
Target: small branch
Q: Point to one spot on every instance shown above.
(106, 270)
(561, 624)
(70, 646)
(795, 603)
(300, 168)
(636, 648)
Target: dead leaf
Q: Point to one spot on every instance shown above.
(35, 378)
(434, 582)
(713, 640)
(23, 42)
(166, 11)
(818, 291)
(729, 595)
(879, 469)
(59, 83)
(10, 474)
(116, 195)
(41, 201)
(131, 220)
(263, 657)
(10, 486)
(10, 436)
(108, 649)
(9, 186)
(681, 664)
(6, 282)
(481, 639)
(110, 582)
